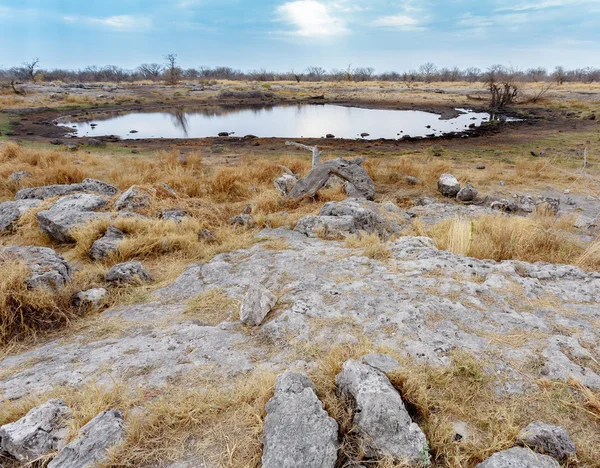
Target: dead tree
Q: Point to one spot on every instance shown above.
(29, 68)
(316, 153)
(502, 86)
(16, 90)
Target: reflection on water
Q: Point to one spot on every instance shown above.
(308, 121)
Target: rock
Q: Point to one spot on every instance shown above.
(519, 457)
(107, 244)
(330, 135)
(368, 216)
(206, 236)
(245, 220)
(480, 167)
(380, 416)
(68, 213)
(382, 362)
(128, 273)
(298, 432)
(257, 303)
(504, 205)
(11, 212)
(49, 191)
(47, 268)
(448, 185)
(285, 184)
(364, 135)
(133, 199)
(95, 143)
(90, 298)
(17, 176)
(326, 226)
(176, 216)
(348, 170)
(42, 430)
(549, 440)
(412, 180)
(56, 142)
(92, 443)
(223, 134)
(467, 194)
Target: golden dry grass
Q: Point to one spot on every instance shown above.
(371, 244)
(212, 307)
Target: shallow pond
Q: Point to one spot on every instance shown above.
(301, 121)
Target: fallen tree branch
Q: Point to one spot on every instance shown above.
(316, 154)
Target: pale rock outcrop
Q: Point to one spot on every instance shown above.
(107, 244)
(11, 212)
(92, 443)
(257, 303)
(18, 176)
(49, 191)
(384, 219)
(380, 416)
(298, 432)
(41, 431)
(519, 457)
(128, 272)
(326, 226)
(47, 268)
(133, 199)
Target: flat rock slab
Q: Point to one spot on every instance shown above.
(11, 212)
(50, 191)
(43, 430)
(91, 444)
(519, 457)
(380, 417)
(326, 226)
(47, 268)
(298, 432)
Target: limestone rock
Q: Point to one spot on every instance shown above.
(206, 235)
(91, 444)
(467, 194)
(326, 226)
(133, 199)
(244, 219)
(43, 430)
(68, 213)
(412, 180)
(549, 440)
(49, 191)
(107, 244)
(18, 176)
(380, 416)
(368, 216)
(174, 215)
(285, 184)
(448, 185)
(382, 362)
(257, 303)
(519, 457)
(11, 212)
(128, 272)
(91, 297)
(47, 268)
(298, 432)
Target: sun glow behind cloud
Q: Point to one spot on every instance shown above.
(311, 19)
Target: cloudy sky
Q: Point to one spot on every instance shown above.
(281, 35)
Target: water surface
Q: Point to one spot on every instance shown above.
(284, 121)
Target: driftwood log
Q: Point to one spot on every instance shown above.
(348, 170)
(316, 153)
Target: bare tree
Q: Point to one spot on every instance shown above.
(502, 84)
(297, 76)
(150, 71)
(428, 71)
(29, 68)
(173, 71)
(559, 75)
(315, 73)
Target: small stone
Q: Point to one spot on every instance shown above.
(448, 185)
(480, 167)
(174, 215)
(206, 236)
(42, 430)
(95, 143)
(128, 273)
(90, 298)
(132, 199)
(245, 220)
(549, 440)
(467, 194)
(330, 135)
(257, 303)
(412, 180)
(107, 244)
(18, 176)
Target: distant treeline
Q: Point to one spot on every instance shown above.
(171, 73)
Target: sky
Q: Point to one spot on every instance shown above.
(283, 35)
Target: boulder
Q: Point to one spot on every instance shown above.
(380, 415)
(68, 213)
(107, 244)
(368, 216)
(41, 431)
(47, 268)
(11, 212)
(298, 432)
(128, 273)
(519, 457)
(326, 226)
(448, 185)
(92, 442)
(245, 220)
(174, 215)
(49, 191)
(549, 440)
(90, 298)
(257, 303)
(133, 199)
(17, 176)
(348, 170)
(467, 194)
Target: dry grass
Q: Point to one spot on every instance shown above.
(212, 307)
(371, 244)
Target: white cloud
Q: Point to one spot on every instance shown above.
(311, 19)
(396, 22)
(117, 23)
(541, 5)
